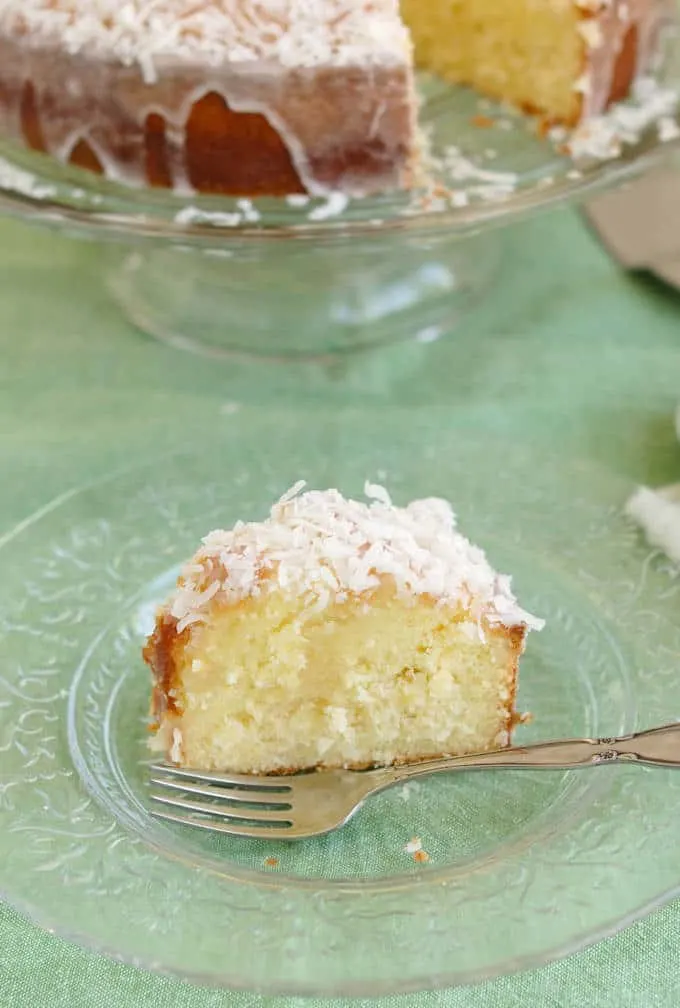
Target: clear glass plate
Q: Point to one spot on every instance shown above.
(523, 867)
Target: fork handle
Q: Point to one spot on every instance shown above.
(656, 747)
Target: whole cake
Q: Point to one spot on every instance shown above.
(335, 634)
(274, 97)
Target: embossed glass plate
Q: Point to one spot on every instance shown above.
(523, 867)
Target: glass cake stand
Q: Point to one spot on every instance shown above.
(321, 277)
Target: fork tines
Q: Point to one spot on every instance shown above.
(227, 803)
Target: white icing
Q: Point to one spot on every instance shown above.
(295, 103)
(326, 548)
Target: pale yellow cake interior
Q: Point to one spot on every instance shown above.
(496, 47)
(269, 684)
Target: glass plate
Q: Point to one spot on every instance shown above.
(524, 866)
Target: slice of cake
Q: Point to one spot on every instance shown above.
(275, 97)
(336, 634)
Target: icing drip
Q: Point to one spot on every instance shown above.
(621, 38)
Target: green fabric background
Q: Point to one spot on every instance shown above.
(591, 356)
(637, 969)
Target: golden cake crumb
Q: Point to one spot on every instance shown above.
(336, 633)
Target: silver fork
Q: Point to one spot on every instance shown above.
(311, 804)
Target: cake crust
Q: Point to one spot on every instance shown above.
(160, 654)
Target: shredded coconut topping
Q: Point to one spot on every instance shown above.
(289, 32)
(603, 137)
(327, 548)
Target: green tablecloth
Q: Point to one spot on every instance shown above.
(592, 355)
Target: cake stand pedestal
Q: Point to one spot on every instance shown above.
(289, 300)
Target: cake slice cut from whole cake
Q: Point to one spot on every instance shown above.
(335, 634)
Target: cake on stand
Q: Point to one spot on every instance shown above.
(318, 277)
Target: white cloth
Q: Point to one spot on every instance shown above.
(657, 512)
